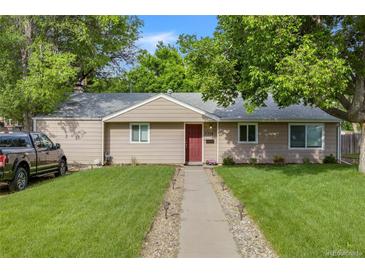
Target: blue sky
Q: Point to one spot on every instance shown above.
(168, 28)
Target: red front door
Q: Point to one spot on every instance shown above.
(193, 142)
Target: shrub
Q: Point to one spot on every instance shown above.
(329, 159)
(253, 161)
(278, 159)
(228, 161)
(306, 161)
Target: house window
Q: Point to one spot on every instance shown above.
(306, 136)
(247, 133)
(140, 133)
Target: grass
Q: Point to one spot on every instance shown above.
(304, 210)
(98, 213)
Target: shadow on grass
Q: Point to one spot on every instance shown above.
(33, 182)
(298, 169)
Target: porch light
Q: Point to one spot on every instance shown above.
(166, 206)
(240, 209)
(210, 126)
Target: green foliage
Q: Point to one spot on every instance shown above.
(43, 57)
(278, 159)
(306, 161)
(329, 159)
(253, 161)
(228, 161)
(345, 125)
(159, 72)
(296, 59)
(311, 60)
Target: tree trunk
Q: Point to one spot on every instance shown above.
(362, 150)
(356, 127)
(27, 121)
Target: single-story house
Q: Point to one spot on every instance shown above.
(179, 128)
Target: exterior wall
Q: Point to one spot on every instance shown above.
(160, 110)
(166, 144)
(80, 140)
(272, 140)
(210, 149)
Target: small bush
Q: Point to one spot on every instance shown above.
(329, 159)
(253, 161)
(306, 161)
(228, 161)
(278, 159)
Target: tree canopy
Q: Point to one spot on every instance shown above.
(315, 60)
(44, 57)
(162, 71)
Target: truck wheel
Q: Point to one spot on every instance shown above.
(20, 180)
(62, 168)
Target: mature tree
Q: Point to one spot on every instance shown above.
(316, 60)
(44, 57)
(159, 72)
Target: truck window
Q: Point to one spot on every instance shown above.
(15, 141)
(46, 141)
(41, 141)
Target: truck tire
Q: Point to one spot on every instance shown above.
(20, 181)
(62, 168)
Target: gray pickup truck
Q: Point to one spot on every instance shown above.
(27, 154)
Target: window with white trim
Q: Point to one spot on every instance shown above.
(247, 133)
(306, 136)
(140, 133)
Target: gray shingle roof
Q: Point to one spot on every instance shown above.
(99, 105)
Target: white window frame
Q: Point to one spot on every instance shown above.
(139, 133)
(306, 137)
(256, 133)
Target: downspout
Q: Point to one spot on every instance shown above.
(339, 142)
(217, 142)
(102, 142)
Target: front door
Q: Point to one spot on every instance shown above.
(193, 143)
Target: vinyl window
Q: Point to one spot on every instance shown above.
(306, 136)
(247, 133)
(140, 133)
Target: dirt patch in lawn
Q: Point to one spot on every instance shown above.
(249, 238)
(162, 241)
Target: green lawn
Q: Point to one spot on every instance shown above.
(304, 210)
(98, 213)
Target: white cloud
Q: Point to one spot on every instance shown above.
(149, 41)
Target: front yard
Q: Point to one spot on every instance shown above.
(98, 213)
(304, 210)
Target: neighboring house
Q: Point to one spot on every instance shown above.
(8, 125)
(180, 128)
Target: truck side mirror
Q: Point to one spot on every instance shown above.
(58, 146)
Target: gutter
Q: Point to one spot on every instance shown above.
(66, 118)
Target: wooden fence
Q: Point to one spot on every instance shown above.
(350, 143)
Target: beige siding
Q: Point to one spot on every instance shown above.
(160, 110)
(272, 140)
(210, 149)
(80, 140)
(166, 144)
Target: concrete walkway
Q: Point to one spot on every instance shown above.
(204, 230)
